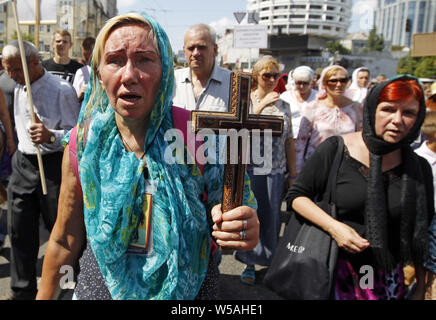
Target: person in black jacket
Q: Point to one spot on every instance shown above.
(384, 195)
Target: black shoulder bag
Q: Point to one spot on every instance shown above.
(303, 266)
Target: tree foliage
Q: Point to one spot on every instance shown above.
(337, 47)
(424, 67)
(24, 36)
(376, 42)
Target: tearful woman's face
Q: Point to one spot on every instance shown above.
(130, 71)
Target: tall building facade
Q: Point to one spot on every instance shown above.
(324, 18)
(398, 20)
(82, 18)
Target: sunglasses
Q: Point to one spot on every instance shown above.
(335, 81)
(267, 76)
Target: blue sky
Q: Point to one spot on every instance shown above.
(176, 16)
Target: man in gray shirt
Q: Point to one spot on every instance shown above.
(203, 85)
(56, 108)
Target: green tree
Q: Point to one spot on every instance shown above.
(336, 46)
(24, 36)
(376, 42)
(407, 65)
(426, 68)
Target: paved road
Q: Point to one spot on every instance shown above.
(231, 287)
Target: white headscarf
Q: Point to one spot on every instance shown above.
(302, 72)
(358, 93)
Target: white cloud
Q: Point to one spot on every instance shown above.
(126, 4)
(363, 11)
(221, 25)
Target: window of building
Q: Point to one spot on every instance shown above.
(281, 17)
(421, 17)
(312, 26)
(280, 7)
(314, 16)
(296, 26)
(330, 8)
(298, 6)
(2, 27)
(327, 28)
(315, 7)
(297, 16)
(410, 22)
(330, 18)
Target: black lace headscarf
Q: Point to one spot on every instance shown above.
(414, 215)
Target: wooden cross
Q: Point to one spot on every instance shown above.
(238, 118)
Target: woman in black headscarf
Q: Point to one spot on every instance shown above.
(384, 195)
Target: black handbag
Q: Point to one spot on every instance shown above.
(304, 263)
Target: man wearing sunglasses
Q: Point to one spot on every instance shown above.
(203, 85)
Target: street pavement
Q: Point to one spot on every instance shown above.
(231, 288)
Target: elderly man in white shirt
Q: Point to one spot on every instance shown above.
(203, 85)
(57, 108)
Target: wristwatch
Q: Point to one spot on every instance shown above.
(52, 138)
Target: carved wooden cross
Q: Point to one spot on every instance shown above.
(238, 118)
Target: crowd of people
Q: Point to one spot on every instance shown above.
(134, 226)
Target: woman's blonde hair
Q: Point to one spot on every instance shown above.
(265, 63)
(331, 73)
(111, 25)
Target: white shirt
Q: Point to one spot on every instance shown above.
(56, 105)
(81, 78)
(215, 97)
(430, 156)
(296, 107)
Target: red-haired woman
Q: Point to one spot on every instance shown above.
(384, 195)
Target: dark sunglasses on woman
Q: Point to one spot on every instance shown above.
(335, 81)
(267, 76)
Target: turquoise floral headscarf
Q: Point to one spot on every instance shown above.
(113, 186)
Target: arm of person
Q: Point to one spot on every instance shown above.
(269, 99)
(68, 235)
(311, 184)
(346, 237)
(6, 120)
(68, 107)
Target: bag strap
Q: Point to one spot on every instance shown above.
(330, 192)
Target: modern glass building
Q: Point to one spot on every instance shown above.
(324, 18)
(398, 20)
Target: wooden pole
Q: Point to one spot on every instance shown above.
(29, 94)
(37, 19)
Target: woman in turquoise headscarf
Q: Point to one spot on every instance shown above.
(140, 219)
